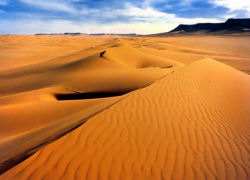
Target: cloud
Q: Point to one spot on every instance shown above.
(3, 2)
(144, 21)
(61, 26)
(191, 8)
(51, 5)
(235, 6)
(149, 14)
(95, 16)
(144, 14)
(129, 19)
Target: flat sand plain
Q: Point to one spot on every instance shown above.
(107, 107)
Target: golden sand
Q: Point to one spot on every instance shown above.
(149, 108)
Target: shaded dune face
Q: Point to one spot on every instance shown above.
(95, 95)
(124, 108)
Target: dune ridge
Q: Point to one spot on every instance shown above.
(32, 99)
(191, 124)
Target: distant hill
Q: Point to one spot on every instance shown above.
(231, 26)
(112, 34)
(67, 33)
(78, 33)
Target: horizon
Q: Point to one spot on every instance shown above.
(109, 17)
(122, 34)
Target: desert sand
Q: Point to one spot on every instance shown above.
(109, 107)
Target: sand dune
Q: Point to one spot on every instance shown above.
(146, 109)
(31, 100)
(136, 58)
(180, 127)
(83, 64)
(230, 50)
(22, 50)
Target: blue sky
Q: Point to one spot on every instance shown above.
(113, 16)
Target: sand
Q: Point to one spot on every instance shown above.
(149, 108)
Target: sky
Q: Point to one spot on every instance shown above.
(113, 16)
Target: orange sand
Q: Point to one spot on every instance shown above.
(169, 113)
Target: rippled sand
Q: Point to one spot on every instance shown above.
(84, 107)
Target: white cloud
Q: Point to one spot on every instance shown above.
(234, 5)
(145, 20)
(61, 26)
(3, 2)
(51, 5)
(145, 13)
(150, 15)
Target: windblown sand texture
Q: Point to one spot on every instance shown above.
(148, 108)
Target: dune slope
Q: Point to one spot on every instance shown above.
(231, 50)
(43, 99)
(191, 124)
